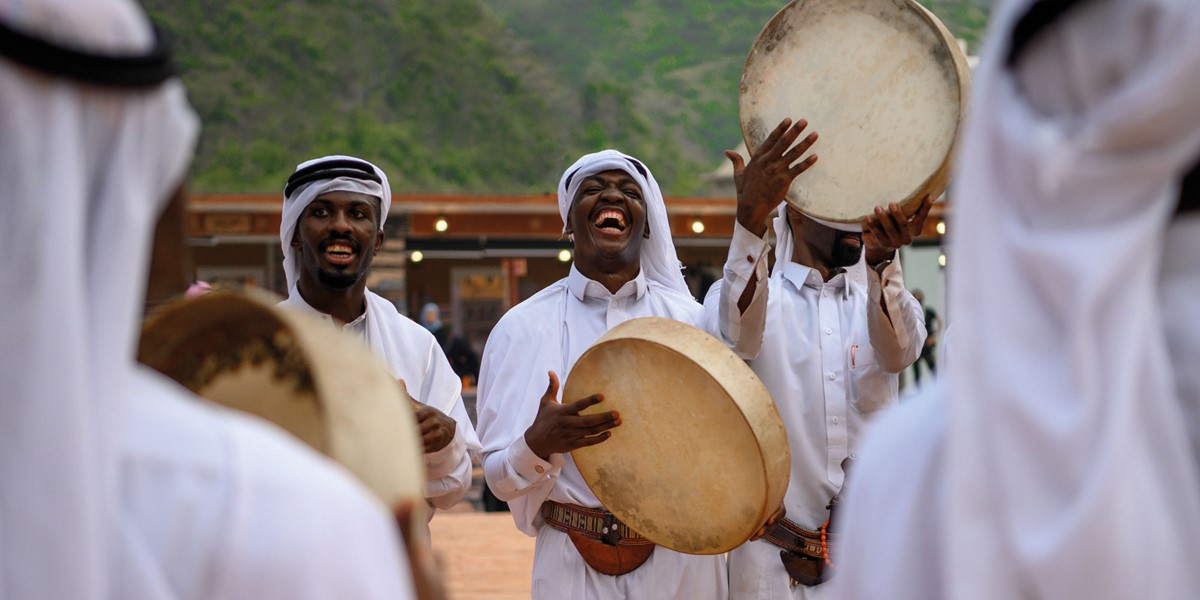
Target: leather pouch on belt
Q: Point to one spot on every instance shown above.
(805, 570)
(610, 559)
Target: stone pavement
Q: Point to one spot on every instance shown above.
(483, 556)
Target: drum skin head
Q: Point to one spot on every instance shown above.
(701, 457)
(884, 85)
(321, 385)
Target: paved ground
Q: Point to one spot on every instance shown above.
(483, 556)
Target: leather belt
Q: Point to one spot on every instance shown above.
(805, 553)
(595, 523)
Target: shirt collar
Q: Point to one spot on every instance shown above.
(582, 287)
(801, 276)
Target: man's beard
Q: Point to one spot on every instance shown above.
(338, 279)
(845, 255)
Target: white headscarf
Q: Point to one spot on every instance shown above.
(660, 263)
(84, 172)
(302, 196)
(1068, 468)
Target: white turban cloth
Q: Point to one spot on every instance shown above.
(659, 261)
(85, 170)
(295, 203)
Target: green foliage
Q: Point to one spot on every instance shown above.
(467, 95)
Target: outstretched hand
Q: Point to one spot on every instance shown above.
(764, 182)
(559, 428)
(887, 230)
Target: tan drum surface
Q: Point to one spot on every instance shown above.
(322, 385)
(884, 85)
(701, 457)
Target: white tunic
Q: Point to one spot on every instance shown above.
(830, 359)
(412, 354)
(222, 505)
(548, 332)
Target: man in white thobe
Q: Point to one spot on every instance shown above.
(829, 349)
(625, 267)
(114, 482)
(1054, 461)
(333, 213)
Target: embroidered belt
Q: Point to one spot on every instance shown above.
(595, 523)
(605, 544)
(805, 552)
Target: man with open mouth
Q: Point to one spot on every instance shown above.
(625, 267)
(333, 213)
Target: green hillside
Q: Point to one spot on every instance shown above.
(470, 95)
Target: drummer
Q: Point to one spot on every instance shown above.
(334, 208)
(625, 267)
(828, 348)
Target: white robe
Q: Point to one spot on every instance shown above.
(412, 354)
(545, 333)
(223, 505)
(1063, 466)
(831, 360)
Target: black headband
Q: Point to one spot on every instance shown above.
(636, 165)
(147, 69)
(332, 169)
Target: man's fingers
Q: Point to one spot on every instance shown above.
(573, 408)
(903, 235)
(773, 139)
(887, 226)
(798, 150)
(739, 163)
(593, 440)
(551, 394)
(609, 421)
(917, 224)
(796, 170)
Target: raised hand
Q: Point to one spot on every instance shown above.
(437, 429)
(559, 428)
(764, 182)
(887, 230)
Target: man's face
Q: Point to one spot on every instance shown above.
(608, 218)
(336, 238)
(834, 247)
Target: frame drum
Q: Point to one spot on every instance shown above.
(321, 385)
(701, 457)
(882, 82)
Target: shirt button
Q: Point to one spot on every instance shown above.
(539, 469)
(828, 331)
(853, 455)
(836, 420)
(749, 258)
(832, 376)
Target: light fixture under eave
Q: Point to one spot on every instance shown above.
(441, 225)
(564, 255)
(697, 226)
(941, 259)
(416, 256)
(941, 227)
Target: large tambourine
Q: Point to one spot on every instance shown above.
(701, 457)
(328, 389)
(884, 85)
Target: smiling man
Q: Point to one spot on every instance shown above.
(625, 267)
(333, 213)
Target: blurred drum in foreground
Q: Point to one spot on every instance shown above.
(882, 82)
(325, 387)
(701, 457)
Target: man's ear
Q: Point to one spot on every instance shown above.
(379, 241)
(568, 229)
(646, 234)
(296, 238)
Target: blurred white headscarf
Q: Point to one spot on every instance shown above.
(660, 263)
(335, 180)
(84, 171)
(1069, 473)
